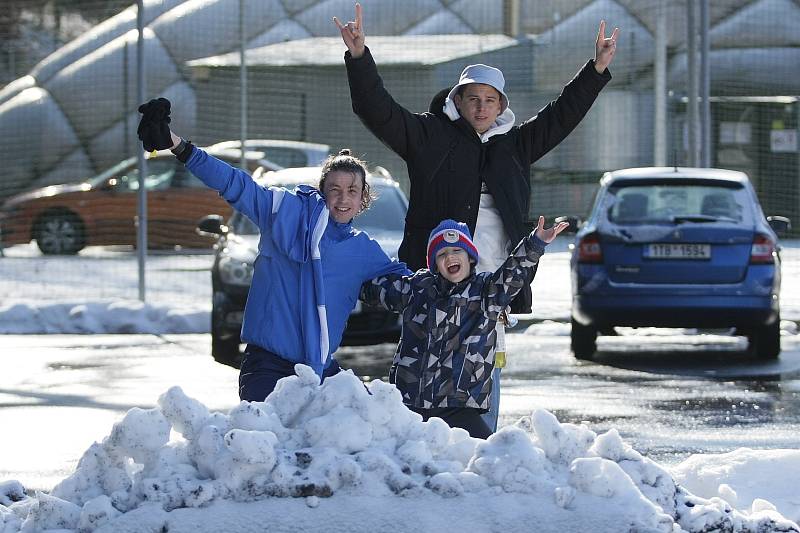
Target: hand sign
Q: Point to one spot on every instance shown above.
(604, 48)
(353, 33)
(548, 235)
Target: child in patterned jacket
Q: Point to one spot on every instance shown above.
(444, 361)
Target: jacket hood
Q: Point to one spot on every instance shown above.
(436, 106)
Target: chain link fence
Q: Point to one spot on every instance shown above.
(68, 110)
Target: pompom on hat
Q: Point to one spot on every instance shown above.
(450, 233)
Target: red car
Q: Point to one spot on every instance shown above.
(63, 219)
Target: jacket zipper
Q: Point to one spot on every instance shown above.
(423, 367)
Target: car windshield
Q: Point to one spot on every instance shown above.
(387, 213)
(284, 156)
(674, 202)
(111, 172)
(124, 176)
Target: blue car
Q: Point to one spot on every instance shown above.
(677, 247)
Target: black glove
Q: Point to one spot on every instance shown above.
(153, 128)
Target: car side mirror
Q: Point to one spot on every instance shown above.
(211, 226)
(574, 223)
(779, 224)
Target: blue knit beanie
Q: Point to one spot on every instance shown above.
(450, 233)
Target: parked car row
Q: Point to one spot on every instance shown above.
(661, 247)
(102, 210)
(677, 247)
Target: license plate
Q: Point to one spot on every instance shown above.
(677, 251)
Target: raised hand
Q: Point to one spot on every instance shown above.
(153, 128)
(548, 235)
(604, 48)
(353, 33)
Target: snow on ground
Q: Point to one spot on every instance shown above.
(112, 316)
(734, 477)
(348, 457)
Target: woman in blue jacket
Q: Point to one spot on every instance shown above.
(311, 261)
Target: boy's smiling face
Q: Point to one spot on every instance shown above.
(452, 262)
(343, 192)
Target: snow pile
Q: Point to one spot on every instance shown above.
(114, 316)
(179, 467)
(736, 478)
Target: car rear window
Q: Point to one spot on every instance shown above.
(387, 213)
(285, 157)
(655, 202)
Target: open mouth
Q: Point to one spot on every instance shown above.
(453, 269)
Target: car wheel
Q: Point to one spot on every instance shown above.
(764, 342)
(60, 233)
(583, 340)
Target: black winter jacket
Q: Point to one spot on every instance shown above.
(447, 161)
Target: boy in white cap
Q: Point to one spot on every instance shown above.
(444, 362)
(467, 158)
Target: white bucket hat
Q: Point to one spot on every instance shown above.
(482, 74)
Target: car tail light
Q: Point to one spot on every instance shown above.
(589, 250)
(763, 250)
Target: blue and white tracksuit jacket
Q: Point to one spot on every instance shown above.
(446, 353)
(309, 268)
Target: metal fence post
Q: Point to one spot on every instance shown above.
(705, 88)
(141, 227)
(691, 64)
(660, 88)
(243, 84)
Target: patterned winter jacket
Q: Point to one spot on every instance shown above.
(446, 352)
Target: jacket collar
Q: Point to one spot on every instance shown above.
(339, 230)
(446, 286)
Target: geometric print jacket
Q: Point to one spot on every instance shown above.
(446, 352)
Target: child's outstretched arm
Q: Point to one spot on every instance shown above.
(505, 283)
(391, 291)
(549, 235)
